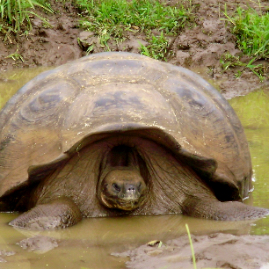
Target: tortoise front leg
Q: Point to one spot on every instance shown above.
(59, 213)
(216, 210)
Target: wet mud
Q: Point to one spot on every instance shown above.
(211, 251)
(199, 47)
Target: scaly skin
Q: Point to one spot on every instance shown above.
(59, 213)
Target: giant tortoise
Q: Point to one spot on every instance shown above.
(115, 134)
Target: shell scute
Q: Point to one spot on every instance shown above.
(51, 99)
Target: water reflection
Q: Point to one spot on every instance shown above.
(253, 111)
(89, 244)
(11, 81)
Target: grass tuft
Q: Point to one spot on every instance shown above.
(228, 60)
(157, 48)
(16, 14)
(252, 33)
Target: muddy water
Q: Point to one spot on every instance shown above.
(253, 111)
(90, 243)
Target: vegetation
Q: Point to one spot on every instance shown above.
(111, 20)
(251, 29)
(157, 48)
(192, 249)
(191, 245)
(153, 21)
(142, 14)
(252, 32)
(16, 14)
(228, 60)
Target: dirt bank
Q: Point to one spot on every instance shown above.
(199, 48)
(211, 251)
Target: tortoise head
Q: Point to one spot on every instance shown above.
(122, 188)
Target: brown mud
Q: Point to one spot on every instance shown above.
(199, 48)
(211, 251)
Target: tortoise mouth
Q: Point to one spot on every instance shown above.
(127, 204)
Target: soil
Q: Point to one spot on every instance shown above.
(211, 251)
(199, 48)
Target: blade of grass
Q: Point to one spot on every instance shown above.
(191, 245)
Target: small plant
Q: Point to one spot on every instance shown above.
(191, 245)
(17, 13)
(157, 48)
(15, 56)
(192, 249)
(252, 32)
(228, 60)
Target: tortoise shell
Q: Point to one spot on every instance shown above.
(63, 110)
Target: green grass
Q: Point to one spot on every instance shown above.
(191, 245)
(252, 32)
(15, 15)
(228, 60)
(157, 48)
(111, 20)
(251, 29)
(192, 249)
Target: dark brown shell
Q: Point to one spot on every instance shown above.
(59, 111)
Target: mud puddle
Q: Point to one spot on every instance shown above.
(90, 243)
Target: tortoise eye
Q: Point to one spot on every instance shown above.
(116, 187)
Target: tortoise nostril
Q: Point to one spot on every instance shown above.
(130, 188)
